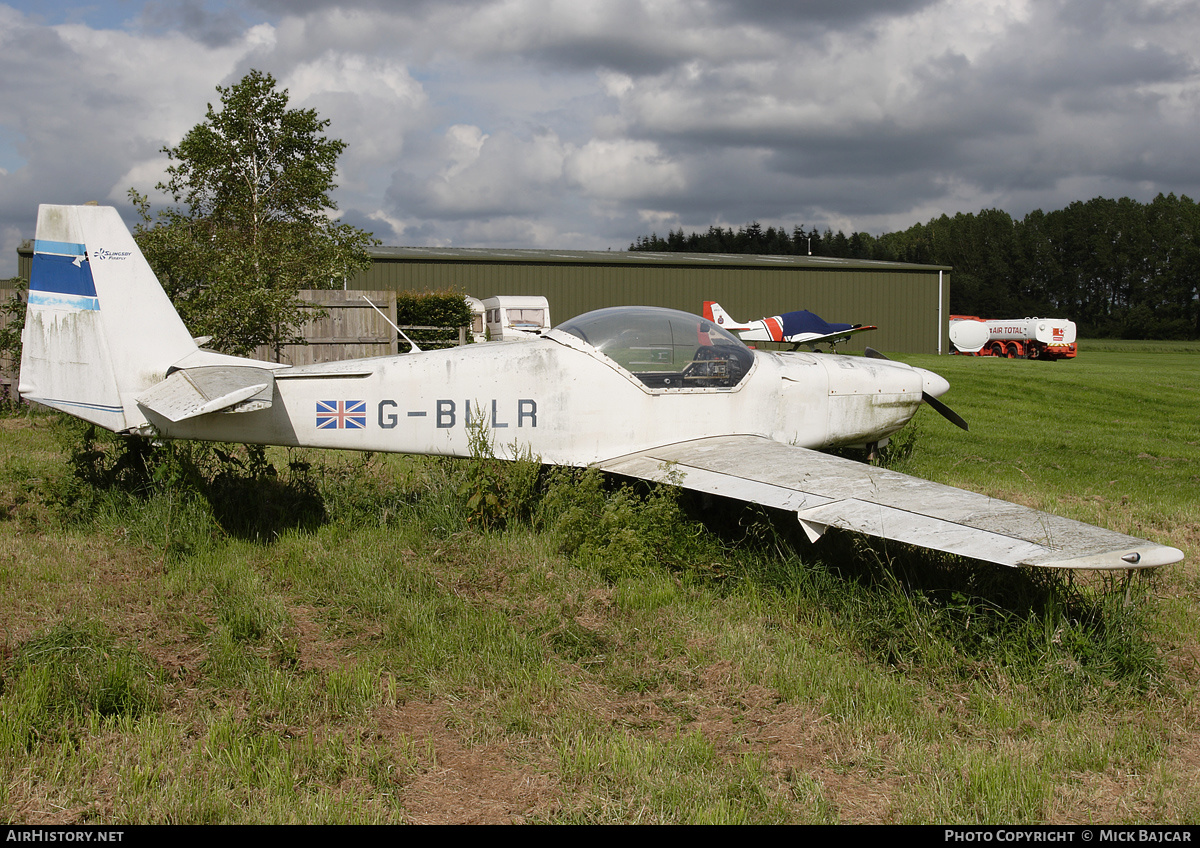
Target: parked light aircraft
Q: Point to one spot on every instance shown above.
(799, 328)
(643, 392)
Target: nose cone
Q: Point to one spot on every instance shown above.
(933, 384)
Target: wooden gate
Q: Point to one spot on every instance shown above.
(349, 328)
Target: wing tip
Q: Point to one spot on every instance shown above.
(1148, 556)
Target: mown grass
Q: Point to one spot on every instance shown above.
(307, 637)
(1089, 346)
(1110, 438)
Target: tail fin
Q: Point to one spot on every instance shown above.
(713, 312)
(99, 329)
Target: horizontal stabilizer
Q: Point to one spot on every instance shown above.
(216, 388)
(828, 491)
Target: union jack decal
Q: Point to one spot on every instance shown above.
(341, 415)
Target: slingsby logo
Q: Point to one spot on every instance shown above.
(101, 253)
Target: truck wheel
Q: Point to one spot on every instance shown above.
(1011, 352)
(997, 349)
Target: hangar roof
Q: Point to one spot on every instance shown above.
(621, 257)
(637, 257)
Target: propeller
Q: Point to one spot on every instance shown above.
(945, 411)
(939, 407)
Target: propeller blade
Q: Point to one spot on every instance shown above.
(945, 411)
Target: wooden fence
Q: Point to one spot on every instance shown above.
(346, 328)
(349, 327)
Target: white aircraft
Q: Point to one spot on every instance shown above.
(644, 392)
(799, 328)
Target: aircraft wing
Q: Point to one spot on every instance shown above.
(831, 338)
(828, 491)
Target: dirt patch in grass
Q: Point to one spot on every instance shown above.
(458, 783)
(75, 575)
(798, 741)
(316, 650)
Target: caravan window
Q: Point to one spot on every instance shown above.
(532, 318)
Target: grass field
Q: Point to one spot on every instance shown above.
(198, 638)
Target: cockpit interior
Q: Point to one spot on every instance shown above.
(665, 348)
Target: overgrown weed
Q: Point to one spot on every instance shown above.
(55, 681)
(626, 529)
(179, 495)
(497, 492)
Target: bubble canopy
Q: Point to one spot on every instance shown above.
(665, 348)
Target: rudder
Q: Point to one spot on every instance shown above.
(713, 312)
(99, 329)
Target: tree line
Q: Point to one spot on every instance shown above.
(1117, 268)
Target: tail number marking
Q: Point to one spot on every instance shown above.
(448, 414)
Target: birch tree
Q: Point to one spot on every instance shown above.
(253, 218)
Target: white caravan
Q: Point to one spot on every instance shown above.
(516, 317)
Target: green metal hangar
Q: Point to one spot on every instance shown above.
(909, 303)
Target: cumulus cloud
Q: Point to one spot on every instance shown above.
(372, 103)
(494, 175)
(582, 123)
(93, 108)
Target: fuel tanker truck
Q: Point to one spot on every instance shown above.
(1013, 338)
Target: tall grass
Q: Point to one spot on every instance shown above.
(213, 635)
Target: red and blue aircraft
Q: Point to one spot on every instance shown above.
(798, 328)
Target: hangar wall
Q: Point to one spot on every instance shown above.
(909, 303)
(901, 299)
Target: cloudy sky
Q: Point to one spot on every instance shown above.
(585, 123)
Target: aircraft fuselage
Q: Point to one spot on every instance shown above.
(564, 401)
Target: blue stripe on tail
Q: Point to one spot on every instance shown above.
(62, 281)
(63, 248)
